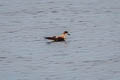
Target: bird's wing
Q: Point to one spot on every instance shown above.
(51, 38)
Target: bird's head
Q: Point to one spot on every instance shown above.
(66, 32)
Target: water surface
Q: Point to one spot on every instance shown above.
(92, 52)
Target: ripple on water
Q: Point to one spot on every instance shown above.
(64, 54)
(2, 58)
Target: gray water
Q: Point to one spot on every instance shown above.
(92, 52)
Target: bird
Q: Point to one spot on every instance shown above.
(62, 37)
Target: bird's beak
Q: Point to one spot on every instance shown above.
(68, 34)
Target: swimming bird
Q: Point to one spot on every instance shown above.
(62, 37)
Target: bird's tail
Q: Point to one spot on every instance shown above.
(50, 38)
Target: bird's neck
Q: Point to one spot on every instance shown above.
(63, 35)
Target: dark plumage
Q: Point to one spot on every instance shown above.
(62, 37)
(51, 38)
(55, 39)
